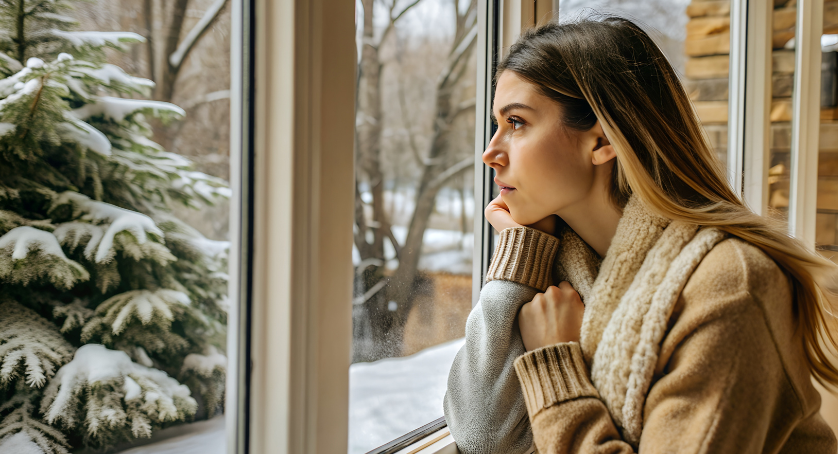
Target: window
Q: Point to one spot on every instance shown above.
(114, 225)
(414, 211)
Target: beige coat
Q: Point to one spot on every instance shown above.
(729, 376)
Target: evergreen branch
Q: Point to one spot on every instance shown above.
(25, 130)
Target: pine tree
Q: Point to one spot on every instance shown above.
(112, 311)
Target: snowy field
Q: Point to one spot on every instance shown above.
(387, 399)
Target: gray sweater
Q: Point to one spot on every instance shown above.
(484, 406)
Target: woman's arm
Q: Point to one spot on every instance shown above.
(483, 406)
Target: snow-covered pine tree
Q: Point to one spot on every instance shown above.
(112, 311)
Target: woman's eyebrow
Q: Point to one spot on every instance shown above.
(512, 106)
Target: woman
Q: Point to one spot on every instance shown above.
(644, 308)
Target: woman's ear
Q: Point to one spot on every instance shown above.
(603, 150)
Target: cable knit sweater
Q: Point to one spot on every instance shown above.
(689, 344)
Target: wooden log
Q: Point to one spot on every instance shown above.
(707, 89)
(825, 224)
(782, 85)
(710, 45)
(713, 67)
(711, 112)
(708, 8)
(703, 26)
(718, 66)
(827, 163)
(780, 110)
(828, 137)
(827, 194)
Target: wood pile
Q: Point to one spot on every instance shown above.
(707, 47)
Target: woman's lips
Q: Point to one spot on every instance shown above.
(504, 188)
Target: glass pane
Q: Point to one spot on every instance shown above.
(114, 137)
(695, 37)
(782, 90)
(414, 211)
(826, 230)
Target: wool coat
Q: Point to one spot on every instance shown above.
(689, 343)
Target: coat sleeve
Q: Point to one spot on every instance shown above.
(722, 383)
(483, 405)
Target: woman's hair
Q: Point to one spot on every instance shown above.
(608, 69)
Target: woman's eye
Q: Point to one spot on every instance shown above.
(515, 123)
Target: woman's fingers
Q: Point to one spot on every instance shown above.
(497, 213)
(552, 317)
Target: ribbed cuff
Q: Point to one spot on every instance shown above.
(525, 256)
(553, 374)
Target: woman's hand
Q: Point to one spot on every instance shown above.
(497, 213)
(552, 317)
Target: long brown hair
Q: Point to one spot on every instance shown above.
(608, 69)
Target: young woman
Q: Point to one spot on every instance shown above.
(633, 302)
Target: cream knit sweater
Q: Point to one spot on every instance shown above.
(688, 345)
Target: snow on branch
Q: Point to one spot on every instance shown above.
(116, 109)
(121, 220)
(113, 77)
(129, 396)
(98, 39)
(177, 57)
(49, 261)
(77, 131)
(30, 346)
(143, 305)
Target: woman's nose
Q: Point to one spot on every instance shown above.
(494, 156)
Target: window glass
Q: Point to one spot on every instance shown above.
(414, 208)
(114, 138)
(784, 19)
(826, 231)
(695, 37)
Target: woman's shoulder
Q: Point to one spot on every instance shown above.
(736, 267)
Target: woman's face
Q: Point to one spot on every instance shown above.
(541, 167)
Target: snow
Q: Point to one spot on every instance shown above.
(97, 39)
(204, 437)
(112, 74)
(116, 109)
(212, 248)
(138, 224)
(7, 85)
(6, 128)
(34, 62)
(205, 364)
(142, 304)
(10, 62)
(20, 90)
(85, 135)
(19, 443)
(27, 237)
(94, 364)
(391, 397)
(132, 389)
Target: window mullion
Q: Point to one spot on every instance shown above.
(806, 121)
(750, 97)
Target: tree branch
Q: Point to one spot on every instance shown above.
(440, 179)
(178, 56)
(393, 20)
(459, 51)
(209, 97)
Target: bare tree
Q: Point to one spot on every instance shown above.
(164, 69)
(387, 300)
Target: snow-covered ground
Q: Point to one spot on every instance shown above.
(391, 397)
(387, 399)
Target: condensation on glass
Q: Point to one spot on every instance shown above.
(414, 208)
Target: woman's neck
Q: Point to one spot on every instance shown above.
(595, 220)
